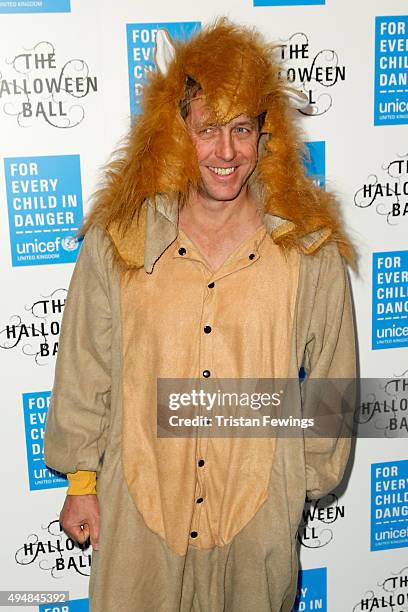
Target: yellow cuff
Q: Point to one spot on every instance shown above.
(82, 483)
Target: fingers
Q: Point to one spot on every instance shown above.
(94, 533)
(78, 533)
(79, 518)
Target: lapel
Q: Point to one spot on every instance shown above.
(157, 227)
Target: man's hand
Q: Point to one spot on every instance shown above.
(80, 518)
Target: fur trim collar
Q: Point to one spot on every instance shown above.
(157, 228)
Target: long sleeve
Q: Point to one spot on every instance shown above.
(78, 416)
(82, 483)
(330, 355)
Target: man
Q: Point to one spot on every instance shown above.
(208, 253)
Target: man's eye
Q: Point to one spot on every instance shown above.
(208, 130)
(243, 130)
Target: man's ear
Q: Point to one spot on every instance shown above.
(164, 51)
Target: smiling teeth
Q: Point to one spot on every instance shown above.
(222, 171)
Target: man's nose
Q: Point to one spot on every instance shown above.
(225, 145)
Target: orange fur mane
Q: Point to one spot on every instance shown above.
(238, 74)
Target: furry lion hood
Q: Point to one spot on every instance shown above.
(238, 73)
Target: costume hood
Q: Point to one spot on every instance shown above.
(238, 74)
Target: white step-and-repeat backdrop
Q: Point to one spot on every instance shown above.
(71, 76)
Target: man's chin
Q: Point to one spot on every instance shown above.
(220, 195)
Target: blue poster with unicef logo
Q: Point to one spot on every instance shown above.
(140, 44)
(389, 505)
(35, 6)
(391, 70)
(390, 300)
(44, 198)
(35, 407)
(287, 2)
(316, 164)
(74, 605)
(311, 590)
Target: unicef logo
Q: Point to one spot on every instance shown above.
(70, 243)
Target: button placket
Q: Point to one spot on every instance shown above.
(246, 256)
(199, 494)
(206, 363)
(201, 466)
(201, 526)
(201, 475)
(185, 250)
(236, 265)
(208, 327)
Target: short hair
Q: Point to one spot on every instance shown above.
(191, 89)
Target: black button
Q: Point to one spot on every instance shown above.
(211, 285)
(182, 251)
(206, 373)
(194, 534)
(207, 329)
(251, 256)
(201, 462)
(199, 500)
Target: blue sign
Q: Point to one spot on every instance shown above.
(311, 590)
(316, 166)
(44, 198)
(74, 605)
(389, 505)
(35, 6)
(35, 416)
(391, 70)
(287, 2)
(141, 39)
(390, 300)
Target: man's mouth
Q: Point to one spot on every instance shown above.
(222, 171)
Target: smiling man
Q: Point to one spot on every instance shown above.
(220, 212)
(233, 145)
(208, 254)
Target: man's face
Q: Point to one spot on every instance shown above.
(227, 154)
